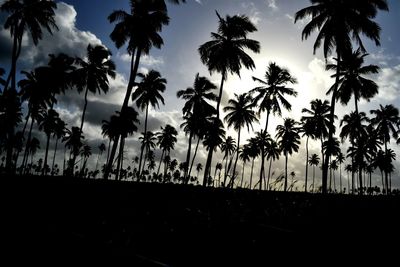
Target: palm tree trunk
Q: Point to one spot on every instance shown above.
(386, 172)
(185, 175)
(251, 175)
(161, 158)
(25, 158)
(313, 178)
(241, 182)
(142, 147)
(44, 172)
(331, 124)
(226, 167)
(207, 169)
(215, 174)
(221, 88)
(134, 70)
(121, 147)
(54, 155)
(194, 156)
(23, 135)
(340, 177)
(360, 171)
(286, 161)
(236, 160)
(269, 173)
(305, 185)
(266, 123)
(262, 167)
(108, 150)
(84, 109)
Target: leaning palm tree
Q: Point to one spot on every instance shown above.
(225, 53)
(148, 93)
(289, 140)
(386, 121)
(338, 23)
(240, 113)
(313, 160)
(93, 73)
(271, 94)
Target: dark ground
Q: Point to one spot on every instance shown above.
(173, 225)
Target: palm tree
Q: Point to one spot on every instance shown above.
(333, 166)
(59, 132)
(254, 152)
(196, 108)
(140, 30)
(349, 169)
(313, 160)
(102, 148)
(351, 80)
(318, 115)
(386, 121)
(225, 53)
(93, 73)
(338, 23)
(24, 15)
(271, 93)
(166, 141)
(2, 81)
(148, 92)
(308, 130)
(214, 136)
(239, 114)
(273, 152)
(85, 154)
(263, 141)
(228, 147)
(73, 141)
(340, 158)
(218, 167)
(47, 124)
(33, 147)
(245, 157)
(199, 168)
(289, 140)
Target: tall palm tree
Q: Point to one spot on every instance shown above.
(271, 94)
(73, 141)
(349, 169)
(139, 29)
(86, 152)
(47, 124)
(166, 141)
(102, 148)
(214, 136)
(228, 147)
(254, 152)
(340, 158)
(351, 80)
(245, 157)
(196, 108)
(199, 168)
(218, 167)
(338, 23)
(148, 93)
(289, 140)
(33, 147)
(59, 132)
(93, 73)
(225, 53)
(240, 113)
(386, 121)
(313, 160)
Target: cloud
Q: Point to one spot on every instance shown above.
(199, 2)
(272, 4)
(146, 60)
(255, 15)
(389, 83)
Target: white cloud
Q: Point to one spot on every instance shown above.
(199, 2)
(389, 83)
(146, 60)
(272, 4)
(254, 13)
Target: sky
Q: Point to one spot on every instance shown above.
(81, 22)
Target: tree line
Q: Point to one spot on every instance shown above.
(340, 27)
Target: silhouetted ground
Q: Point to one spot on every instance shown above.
(174, 225)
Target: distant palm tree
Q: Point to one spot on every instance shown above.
(228, 147)
(340, 158)
(349, 169)
(33, 147)
(73, 141)
(386, 121)
(239, 114)
(271, 93)
(263, 141)
(148, 93)
(102, 148)
(245, 157)
(338, 23)
(273, 152)
(85, 154)
(225, 53)
(218, 167)
(59, 132)
(254, 152)
(333, 166)
(214, 136)
(199, 168)
(166, 141)
(313, 160)
(47, 124)
(289, 140)
(93, 73)
(308, 130)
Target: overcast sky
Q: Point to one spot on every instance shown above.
(85, 21)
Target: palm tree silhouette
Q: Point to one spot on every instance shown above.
(218, 167)
(340, 158)
(214, 136)
(254, 152)
(166, 141)
(338, 23)
(331, 148)
(197, 108)
(313, 160)
(148, 92)
(308, 130)
(199, 168)
(228, 147)
(386, 121)
(85, 154)
(59, 132)
(245, 157)
(93, 73)
(73, 141)
(148, 141)
(349, 169)
(263, 141)
(225, 52)
(289, 140)
(33, 147)
(102, 148)
(47, 124)
(351, 80)
(273, 152)
(239, 114)
(271, 93)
